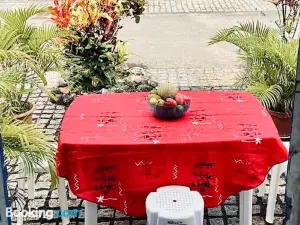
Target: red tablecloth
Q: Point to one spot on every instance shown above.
(114, 152)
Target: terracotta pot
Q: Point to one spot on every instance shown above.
(27, 116)
(283, 122)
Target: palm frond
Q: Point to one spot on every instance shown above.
(271, 70)
(26, 44)
(9, 79)
(16, 20)
(8, 38)
(51, 59)
(44, 35)
(270, 96)
(256, 29)
(237, 34)
(28, 144)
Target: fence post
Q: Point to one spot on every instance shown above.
(4, 202)
(292, 196)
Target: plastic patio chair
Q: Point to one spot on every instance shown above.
(275, 172)
(61, 187)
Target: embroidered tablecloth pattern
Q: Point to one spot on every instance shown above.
(114, 152)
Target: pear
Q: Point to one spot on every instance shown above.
(154, 96)
(154, 91)
(161, 102)
(153, 101)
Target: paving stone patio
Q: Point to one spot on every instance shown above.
(49, 116)
(174, 6)
(194, 6)
(204, 78)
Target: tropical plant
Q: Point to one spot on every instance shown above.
(31, 51)
(271, 63)
(288, 18)
(28, 144)
(24, 144)
(94, 25)
(122, 49)
(96, 64)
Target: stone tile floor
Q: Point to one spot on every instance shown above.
(204, 78)
(194, 6)
(49, 116)
(174, 6)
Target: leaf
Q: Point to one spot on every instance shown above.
(26, 91)
(89, 46)
(137, 19)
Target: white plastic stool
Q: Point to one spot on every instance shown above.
(276, 172)
(175, 205)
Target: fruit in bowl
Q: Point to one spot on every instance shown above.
(167, 103)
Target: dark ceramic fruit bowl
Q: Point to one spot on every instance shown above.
(169, 113)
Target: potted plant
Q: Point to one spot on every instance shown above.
(25, 144)
(271, 68)
(27, 52)
(28, 145)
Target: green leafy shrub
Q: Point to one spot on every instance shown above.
(95, 63)
(94, 25)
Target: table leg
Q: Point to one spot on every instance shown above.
(274, 182)
(91, 213)
(63, 201)
(262, 189)
(246, 207)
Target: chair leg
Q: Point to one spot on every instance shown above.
(21, 190)
(91, 213)
(242, 203)
(275, 177)
(262, 189)
(31, 188)
(63, 201)
(246, 207)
